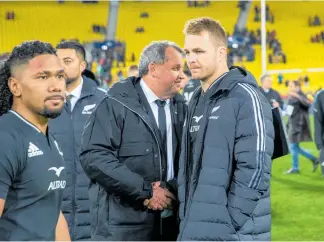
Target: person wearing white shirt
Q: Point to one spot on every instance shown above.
(82, 97)
(131, 149)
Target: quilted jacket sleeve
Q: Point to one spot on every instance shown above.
(252, 153)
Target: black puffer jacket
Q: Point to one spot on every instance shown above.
(67, 129)
(121, 155)
(224, 191)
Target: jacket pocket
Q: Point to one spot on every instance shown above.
(122, 214)
(138, 157)
(136, 149)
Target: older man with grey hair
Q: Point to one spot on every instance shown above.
(131, 148)
(272, 95)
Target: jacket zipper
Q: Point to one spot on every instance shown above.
(74, 173)
(73, 178)
(189, 196)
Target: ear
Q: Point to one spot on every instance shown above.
(83, 65)
(222, 53)
(15, 87)
(152, 69)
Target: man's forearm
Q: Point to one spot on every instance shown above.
(62, 229)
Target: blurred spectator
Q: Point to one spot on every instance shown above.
(306, 80)
(317, 38)
(90, 1)
(298, 126)
(132, 71)
(133, 59)
(144, 15)
(314, 21)
(317, 21)
(256, 13)
(100, 29)
(269, 15)
(272, 95)
(250, 53)
(10, 15)
(139, 29)
(278, 55)
(193, 3)
(287, 83)
(280, 78)
(120, 76)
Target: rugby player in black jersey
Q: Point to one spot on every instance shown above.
(32, 170)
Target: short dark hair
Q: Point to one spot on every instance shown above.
(20, 55)
(70, 44)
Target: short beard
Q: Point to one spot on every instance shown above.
(51, 114)
(70, 80)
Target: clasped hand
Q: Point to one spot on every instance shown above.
(162, 198)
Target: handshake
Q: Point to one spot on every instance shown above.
(161, 199)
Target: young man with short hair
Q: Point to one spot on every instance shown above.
(225, 163)
(32, 169)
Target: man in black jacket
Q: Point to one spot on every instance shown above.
(225, 163)
(272, 95)
(83, 96)
(319, 125)
(130, 151)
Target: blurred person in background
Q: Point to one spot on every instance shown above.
(319, 125)
(83, 95)
(272, 95)
(132, 71)
(120, 76)
(298, 126)
(186, 78)
(189, 85)
(190, 88)
(131, 149)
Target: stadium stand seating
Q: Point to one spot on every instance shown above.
(166, 20)
(53, 21)
(50, 21)
(291, 25)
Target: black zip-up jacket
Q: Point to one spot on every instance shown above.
(224, 186)
(273, 95)
(121, 155)
(67, 129)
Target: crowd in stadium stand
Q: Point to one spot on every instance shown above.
(318, 38)
(269, 14)
(195, 3)
(314, 21)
